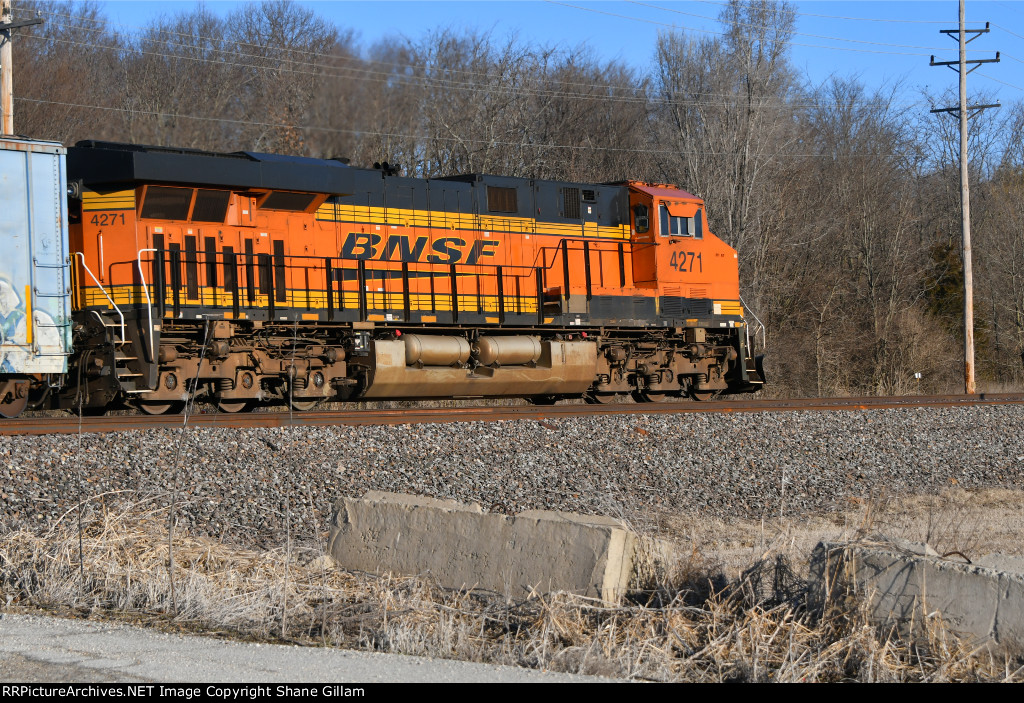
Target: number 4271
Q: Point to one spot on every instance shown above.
(104, 219)
(684, 260)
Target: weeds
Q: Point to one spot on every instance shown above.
(693, 626)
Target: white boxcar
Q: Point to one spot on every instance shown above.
(35, 290)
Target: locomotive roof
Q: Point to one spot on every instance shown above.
(99, 162)
(110, 162)
(663, 190)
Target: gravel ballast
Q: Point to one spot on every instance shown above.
(238, 484)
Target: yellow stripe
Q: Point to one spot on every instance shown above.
(128, 295)
(28, 315)
(443, 220)
(730, 307)
(116, 200)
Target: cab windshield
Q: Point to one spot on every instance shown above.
(675, 224)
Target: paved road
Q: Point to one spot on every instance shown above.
(36, 648)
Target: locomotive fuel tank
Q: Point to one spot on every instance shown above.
(435, 350)
(562, 368)
(507, 351)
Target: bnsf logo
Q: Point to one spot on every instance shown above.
(401, 247)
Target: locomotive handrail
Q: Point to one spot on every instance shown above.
(764, 330)
(149, 303)
(104, 291)
(493, 282)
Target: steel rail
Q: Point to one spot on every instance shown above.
(39, 425)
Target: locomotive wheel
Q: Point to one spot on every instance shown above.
(601, 398)
(11, 407)
(238, 406)
(303, 405)
(646, 396)
(172, 407)
(703, 395)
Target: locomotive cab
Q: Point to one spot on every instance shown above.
(674, 252)
(694, 277)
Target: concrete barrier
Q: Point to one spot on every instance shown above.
(907, 585)
(460, 546)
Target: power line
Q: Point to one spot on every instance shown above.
(144, 39)
(709, 31)
(104, 23)
(800, 34)
(368, 74)
(428, 138)
(160, 31)
(425, 81)
(997, 26)
(835, 17)
(382, 76)
(428, 82)
(1011, 85)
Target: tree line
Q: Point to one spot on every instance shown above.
(842, 199)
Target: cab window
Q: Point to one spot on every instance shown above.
(678, 226)
(287, 200)
(641, 221)
(163, 203)
(185, 204)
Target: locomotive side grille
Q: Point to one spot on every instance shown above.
(698, 292)
(700, 307)
(672, 302)
(571, 208)
(672, 307)
(643, 307)
(589, 196)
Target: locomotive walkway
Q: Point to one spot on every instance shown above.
(404, 416)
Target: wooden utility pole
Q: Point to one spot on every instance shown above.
(7, 27)
(964, 111)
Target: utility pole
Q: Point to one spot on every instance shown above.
(7, 25)
(965, 111)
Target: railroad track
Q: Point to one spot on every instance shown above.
(71, 424)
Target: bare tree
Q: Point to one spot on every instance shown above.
(180, 77)
(723, 110)
(283, 47)
(67, 78)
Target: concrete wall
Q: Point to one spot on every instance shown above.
(909, 585)
(460, 546)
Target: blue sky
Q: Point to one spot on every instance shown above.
(881, 42)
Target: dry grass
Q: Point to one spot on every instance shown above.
(972, 522)
(697, 625)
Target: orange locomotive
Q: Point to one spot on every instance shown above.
(254, 278)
